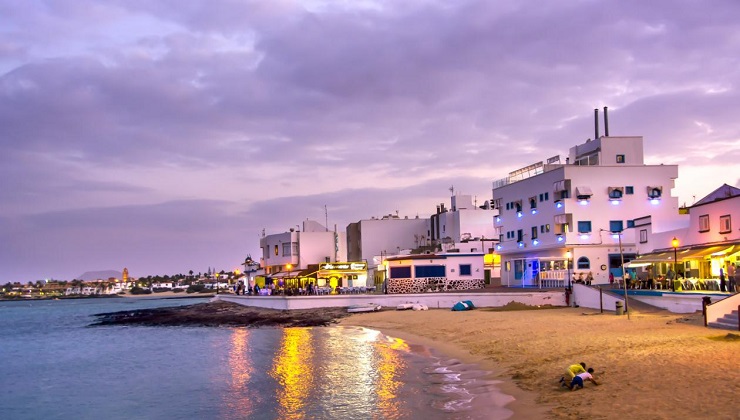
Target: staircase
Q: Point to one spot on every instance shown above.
(727, 322)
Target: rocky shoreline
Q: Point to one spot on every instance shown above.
(219, 313)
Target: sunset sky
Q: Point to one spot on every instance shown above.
(165, 135)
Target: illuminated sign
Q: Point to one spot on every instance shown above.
(343, 266)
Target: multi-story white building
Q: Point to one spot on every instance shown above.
(463, 222)
(295, 250)
(559, 218)
(707, 241)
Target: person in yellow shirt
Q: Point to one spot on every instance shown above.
(572, 371)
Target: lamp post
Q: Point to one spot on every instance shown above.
(674, 242)
(568, 256)
(216, 283)
(624, 279)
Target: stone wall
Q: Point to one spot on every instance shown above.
(432, 284)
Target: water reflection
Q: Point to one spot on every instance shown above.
(390, 367)
(240, 401)
(294, 373)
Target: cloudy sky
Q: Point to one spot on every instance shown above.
(164, 136)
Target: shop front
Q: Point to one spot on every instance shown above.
(342, 274)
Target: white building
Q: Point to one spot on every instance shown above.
(707, 241)
(422, 273)
(286, 254)
(372, 240)
(552, 210)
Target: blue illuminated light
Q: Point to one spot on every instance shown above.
(615, 236)
(583, 202)
(499, 247)
(559, 205)
(521, 244)
(498, 219)
(615, 202)
(535, 242)
(560, 238)
(518, 214)
(654, 201)
(534, 211)
(584, 236)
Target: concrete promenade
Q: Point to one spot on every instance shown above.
(481, 299)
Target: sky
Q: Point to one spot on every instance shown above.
(167, 136)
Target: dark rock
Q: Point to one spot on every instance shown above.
(213, 314)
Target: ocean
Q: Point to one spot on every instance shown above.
(55, 366)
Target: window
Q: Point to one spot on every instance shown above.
(547, 227)
(466, 270)
(629, 189)
(276, 251)
(400, 272)
(704, 223)
(519, 235)
(630, 223)
(584, 263)
(429, 271)
(542, 197)
(643, 236)
(616, 225)
(615, 193)
(533, 202)
(620, 158)
(654, 192)
(725, 224)
(547, 196)
(534, 232)
(584, 226)
(286, 249)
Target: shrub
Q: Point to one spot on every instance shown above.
(140, 291)
(196, 288)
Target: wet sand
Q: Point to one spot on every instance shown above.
(656, 365)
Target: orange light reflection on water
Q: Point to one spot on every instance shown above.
(293, 370)
(390, 367)
(240, 401)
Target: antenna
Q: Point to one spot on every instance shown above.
(326, 218)
(452, 190)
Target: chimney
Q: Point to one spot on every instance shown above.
(596, 123)
(606, 123)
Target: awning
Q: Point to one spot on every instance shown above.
(283, 274)
(705, 251)
(583, 191)
(651, 258)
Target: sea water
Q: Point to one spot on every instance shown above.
(55, 366)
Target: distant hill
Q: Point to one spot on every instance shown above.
(95, 275)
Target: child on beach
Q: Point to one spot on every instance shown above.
(577, 381)
(572, 371)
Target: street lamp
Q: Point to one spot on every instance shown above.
(216, 283)
(568, 256)
(674, 243)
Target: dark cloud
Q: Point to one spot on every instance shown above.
(275, 109)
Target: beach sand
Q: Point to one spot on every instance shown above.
(656, 365)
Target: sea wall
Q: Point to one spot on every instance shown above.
(432, 300)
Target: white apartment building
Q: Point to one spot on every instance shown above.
(295, 250)
(559, 218)
(709, 239)
(463, 222)
(372, 240)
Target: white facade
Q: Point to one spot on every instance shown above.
(705, 242)
(463, 222)
(296, 250)
(549, 209)
(370, 238)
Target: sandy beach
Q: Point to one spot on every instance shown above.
(656, 365)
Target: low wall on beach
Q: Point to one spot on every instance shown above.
(432, 300)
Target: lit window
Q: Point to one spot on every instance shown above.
(620, 158)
